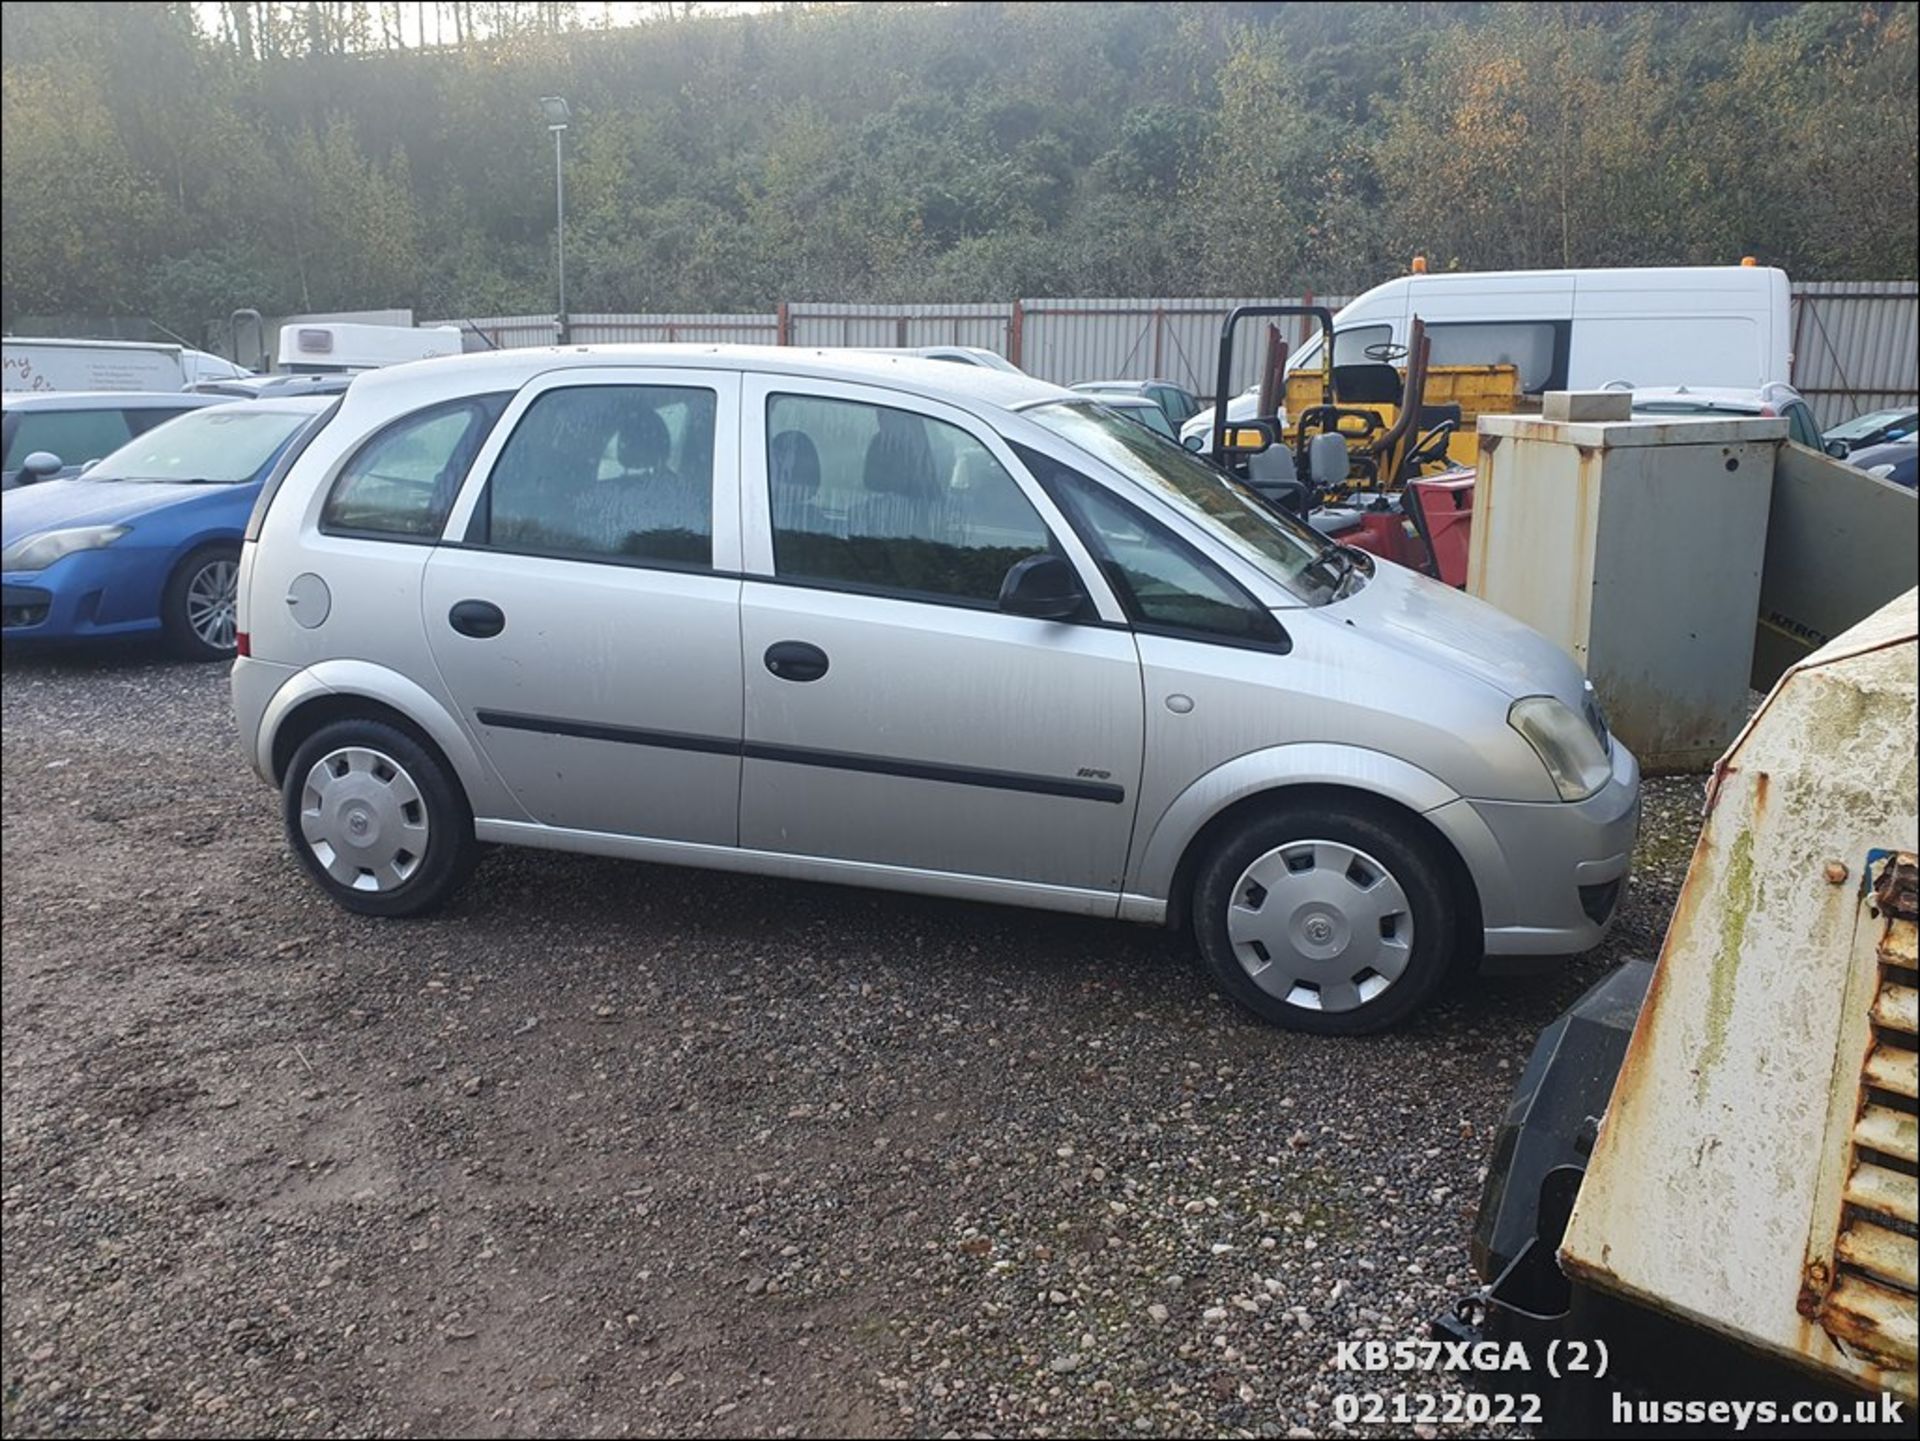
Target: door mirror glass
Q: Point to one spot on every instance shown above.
(1839, 449)
(41, 465)
(1042, 586)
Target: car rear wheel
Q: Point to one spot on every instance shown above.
(200, 608)
(377, 819)
(1325, 919)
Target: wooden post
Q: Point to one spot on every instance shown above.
(1016, 332)
(782, 325)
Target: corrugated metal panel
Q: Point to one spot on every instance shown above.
(713, 329)
(1071, 340)
(507, 332)
(828, 323)
(1856, 345)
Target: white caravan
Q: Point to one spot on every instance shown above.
(331, 347)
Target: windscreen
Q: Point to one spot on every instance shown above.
(1283, 548)
(204, 447)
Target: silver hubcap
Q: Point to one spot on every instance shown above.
(213, 596)
(364, 819)
(1320, 925)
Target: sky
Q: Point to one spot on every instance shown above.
(417, 26)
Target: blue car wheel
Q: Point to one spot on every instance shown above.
(200, 608)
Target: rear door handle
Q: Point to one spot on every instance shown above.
(796, 660)
(480, 619)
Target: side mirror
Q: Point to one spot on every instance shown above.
(1838, 449)
(1327, 459)
(41, 465)
(1044, 587)
(1194, 443)
(89, 465)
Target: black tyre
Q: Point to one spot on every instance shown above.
(199, 609)
(1323, 918)
(377, 819)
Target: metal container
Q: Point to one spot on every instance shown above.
(1755, 1171)
(1637, 545)
(1839, 546)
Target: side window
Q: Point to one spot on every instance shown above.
(1801, 429)
(869, 496)
(1164, 582)
(1350, 346)
(76, 436)
(607, 472)
(401, 483)
(1531, 346)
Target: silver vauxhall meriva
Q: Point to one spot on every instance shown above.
(885, 621)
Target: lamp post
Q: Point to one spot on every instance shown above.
(557, 113)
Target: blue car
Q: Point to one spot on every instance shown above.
(148, 540)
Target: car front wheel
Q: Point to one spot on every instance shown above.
(1325, 919)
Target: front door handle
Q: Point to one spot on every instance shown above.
(477, 618)
(796, 660)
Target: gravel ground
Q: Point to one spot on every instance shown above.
(611, 1148)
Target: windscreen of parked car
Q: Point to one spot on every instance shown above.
(1281, 547)
(1881, 425)
(1151, 416)
(204, 447)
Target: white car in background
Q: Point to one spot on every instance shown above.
(1197, 434)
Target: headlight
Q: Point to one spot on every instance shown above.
(1574, 756)
(37, 552)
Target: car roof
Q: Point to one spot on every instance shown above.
(240, 387)
(1127, 400)
(1124, 384)
(103, 399)
(275, 405)
(1714, 397)
(481, 371)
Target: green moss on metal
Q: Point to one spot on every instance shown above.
(1726, 962)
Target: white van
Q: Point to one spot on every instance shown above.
(1701, 325)
(1713, 325)
(102, 365)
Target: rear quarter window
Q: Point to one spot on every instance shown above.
(402, 481)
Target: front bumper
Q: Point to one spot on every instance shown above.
(1550, 874)
(112, 591)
